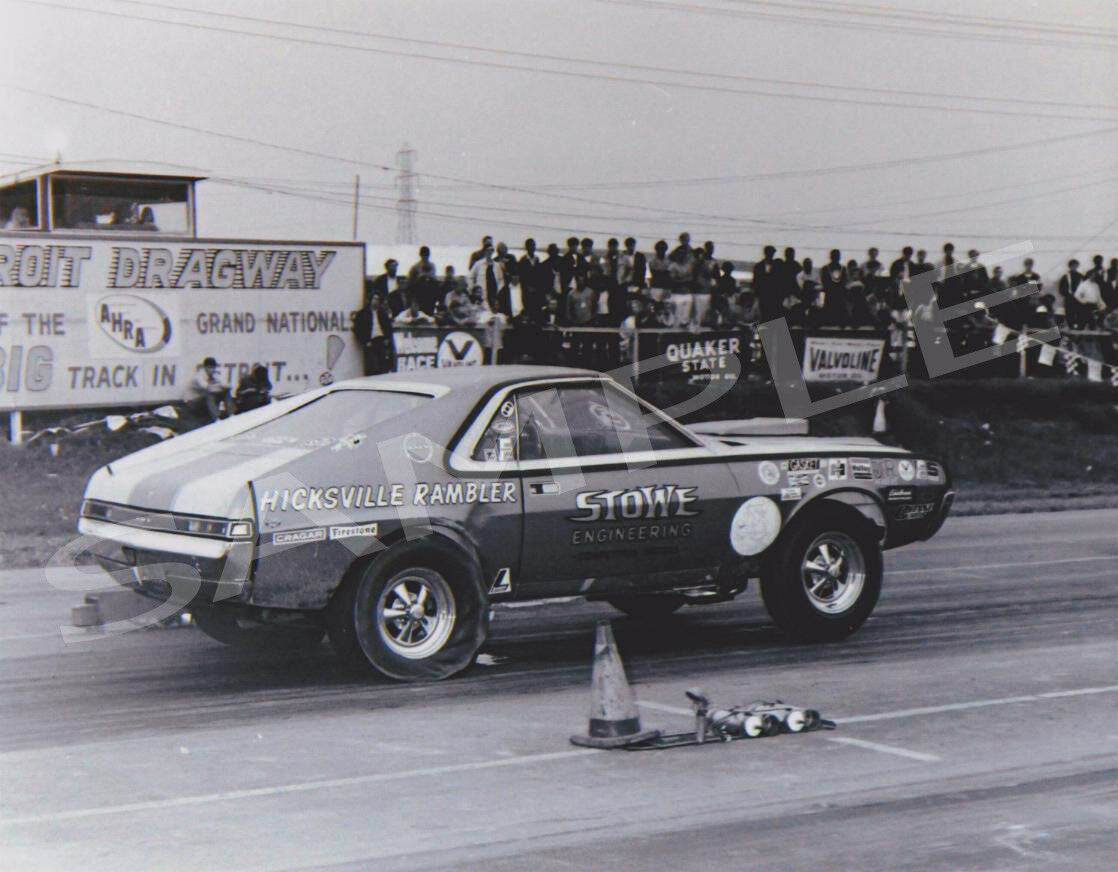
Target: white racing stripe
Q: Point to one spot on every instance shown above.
(300, 787)
(884, 749)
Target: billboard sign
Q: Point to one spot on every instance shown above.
(840, 358)
(88, 322)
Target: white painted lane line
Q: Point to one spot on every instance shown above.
(884, 749)
(891, 572)
(974, 704)
(300, 787)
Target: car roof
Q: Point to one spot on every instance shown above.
(474, 378)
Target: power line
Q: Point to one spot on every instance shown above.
(617, 64)
(784, 17)
(892, 13)
(490, 185)
(568, 73)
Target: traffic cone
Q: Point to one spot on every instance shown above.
(879, 423)
(614, 722)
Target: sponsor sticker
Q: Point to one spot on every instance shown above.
(898, 494)
(353, 530)
(801, 479)
(755, 526)
(836, 469)
(819, 480)
(298, 536)
(906, 470)
(861, 469)
(507, 409)
(502, 426)
(768, 472)
(418, 447)
(803, 464)
(913, 511)
(890, 468)
(927, 469)
(791, 493)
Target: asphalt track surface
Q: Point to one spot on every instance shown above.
(976, 714)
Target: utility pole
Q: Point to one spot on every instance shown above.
(406, 205)
(356, 199)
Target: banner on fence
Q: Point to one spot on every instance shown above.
(835, 358)
(88, 322)
(436, 347)
(707, 356)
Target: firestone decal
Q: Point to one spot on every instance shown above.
(352, 531)
(650, 501)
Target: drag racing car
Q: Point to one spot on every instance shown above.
(391, 511)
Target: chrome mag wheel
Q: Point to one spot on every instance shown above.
(833, 572)
(415, 614)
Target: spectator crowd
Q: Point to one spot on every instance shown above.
(689, 288)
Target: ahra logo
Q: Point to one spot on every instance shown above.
(133, 323)
(458, 349)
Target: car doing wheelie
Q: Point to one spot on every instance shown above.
(390, 512)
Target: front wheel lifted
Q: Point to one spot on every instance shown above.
(824, 579)
(410, 616)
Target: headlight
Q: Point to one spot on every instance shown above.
(91, 509)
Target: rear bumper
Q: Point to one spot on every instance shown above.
(163, 565)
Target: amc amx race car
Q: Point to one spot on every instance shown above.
(391, 511)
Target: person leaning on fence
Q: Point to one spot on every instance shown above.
(580, 306)
(208, 396)
(640, 318)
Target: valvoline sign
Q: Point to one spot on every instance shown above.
(126, 324)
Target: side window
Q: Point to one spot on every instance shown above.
(589, 420)
(640, 429)
(498, 442)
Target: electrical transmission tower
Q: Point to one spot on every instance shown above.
(405, 206)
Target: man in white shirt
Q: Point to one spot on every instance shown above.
(208, 394)
(489, 275)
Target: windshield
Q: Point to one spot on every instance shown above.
(339, 416)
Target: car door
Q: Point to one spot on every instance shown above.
(615, 495)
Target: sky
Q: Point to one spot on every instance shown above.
(814, 124)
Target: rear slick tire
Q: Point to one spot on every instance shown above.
(410, 617)
(824, 580)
